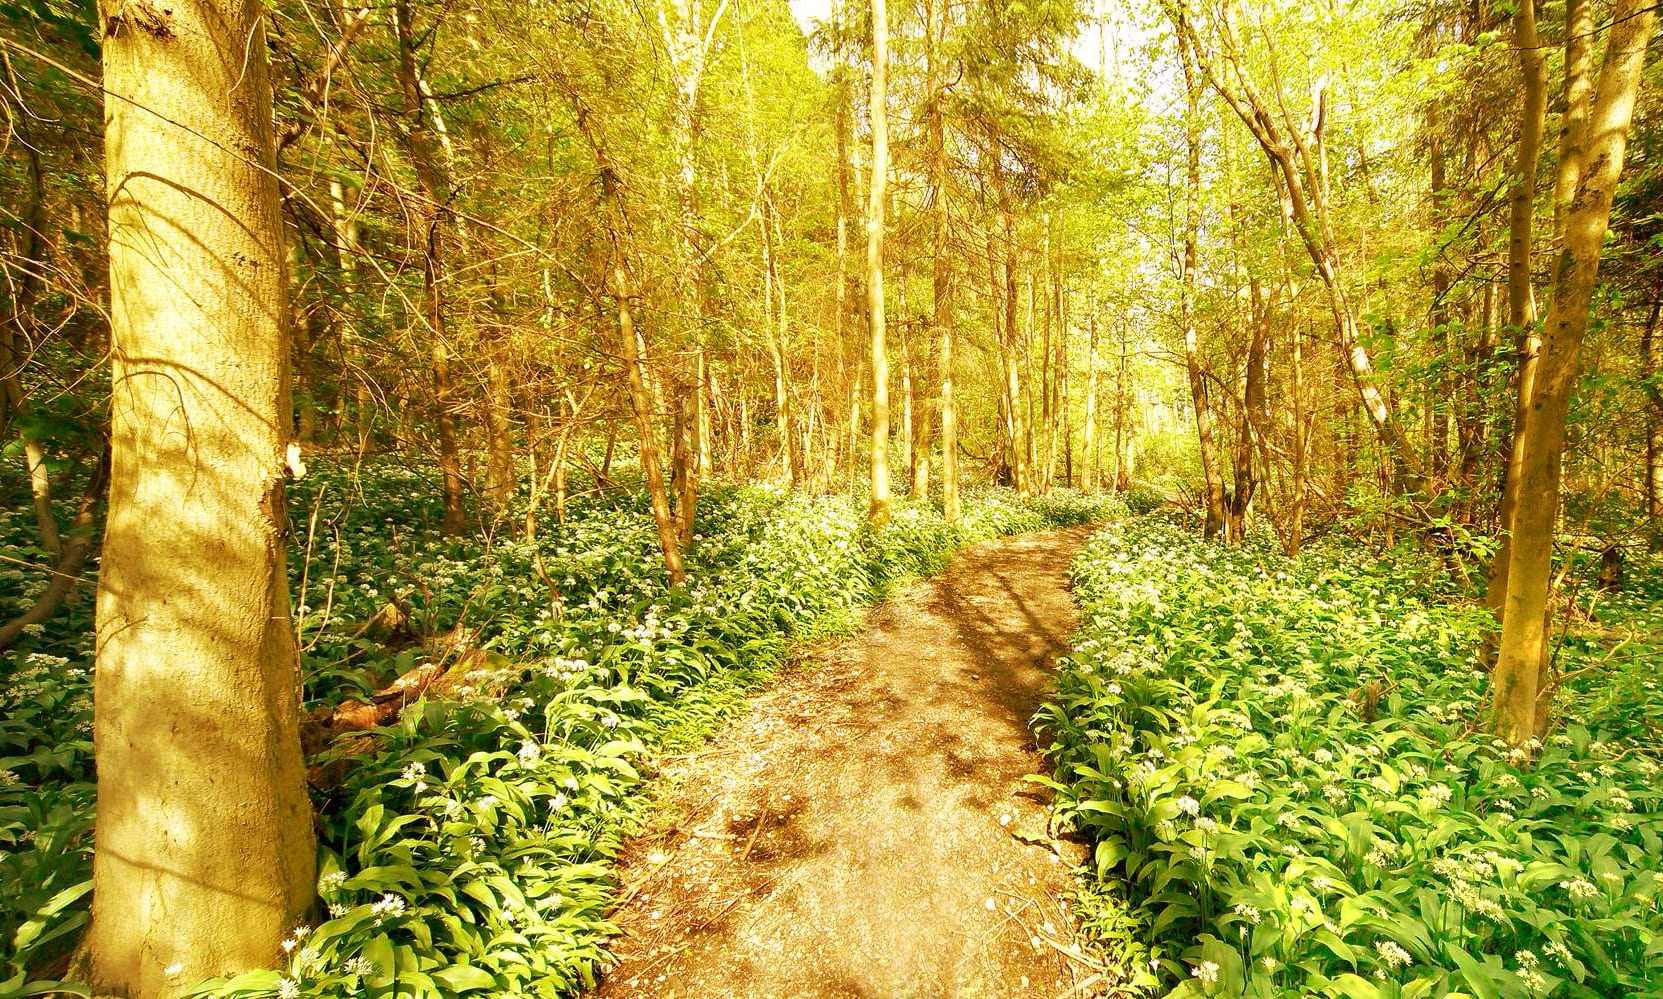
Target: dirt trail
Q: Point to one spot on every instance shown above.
(855, 832)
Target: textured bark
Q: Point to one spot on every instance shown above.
(1515, 712)
(878, 513)
(205, 852)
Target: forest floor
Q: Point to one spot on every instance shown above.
(864, 829)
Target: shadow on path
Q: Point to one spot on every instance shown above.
(853, 833)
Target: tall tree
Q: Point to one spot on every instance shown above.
(1188, 271)
(205, 852)
(941, 265)
(1521, 301)
(1517, 683)
(880, 501)
(1297, 151)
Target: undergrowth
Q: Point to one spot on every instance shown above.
(469, 847)
(1280, 767)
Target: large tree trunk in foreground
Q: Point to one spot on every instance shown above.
(205, 851)
(1518, 679)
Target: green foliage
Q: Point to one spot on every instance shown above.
(468, 848)
(1142, 499)
(1278, 765)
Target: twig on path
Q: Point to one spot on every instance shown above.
(703, 754)
(660, 959)
(1073, 954)
(1080, 988)
(755, 831)
(742, 896)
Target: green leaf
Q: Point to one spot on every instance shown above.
(465, 977)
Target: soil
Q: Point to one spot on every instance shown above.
(864, 828)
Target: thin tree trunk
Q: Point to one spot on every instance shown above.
(941, 275)
(13, 400)
(1652, 476)
(1122, 474)
(1521, 306)
(906, 456)
(205, 853)
(1216, 516)
(433, 221)
(878, 513)
(1255, 415)
(72, 558)
(1294, 537)
(642, 409)
(1089, 480)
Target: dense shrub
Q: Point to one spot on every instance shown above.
(1144, 498)
(1280, 767)
(468, 848)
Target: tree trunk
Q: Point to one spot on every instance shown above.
(1517, 681)
(1293, 537)
(878, 513)
(906, 440)
(1089, 475)
(1216, 513)
(205, 852)
(1652, 475)
(941, 274)
(773, 297)
(1299, 158)
(499, 463)
(1255, 415)
(1521, 306)
(13, 400)
(646, 433)
(1122, 473)
(433, 221)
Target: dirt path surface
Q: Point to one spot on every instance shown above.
(858, 830)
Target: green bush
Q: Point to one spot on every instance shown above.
(1279, 766)
(1144, 498)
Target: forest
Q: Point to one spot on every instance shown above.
(836, 498)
